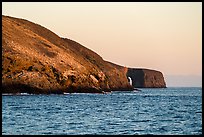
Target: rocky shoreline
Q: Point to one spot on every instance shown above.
(22, 88)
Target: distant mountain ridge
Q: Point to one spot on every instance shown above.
(184, 80)
(36, 60)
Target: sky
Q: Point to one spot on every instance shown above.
(162, 36)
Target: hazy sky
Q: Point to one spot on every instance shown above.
(161, 36)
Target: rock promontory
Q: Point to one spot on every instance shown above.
(36, 60)
(146, 78)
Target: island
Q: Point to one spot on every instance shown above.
(35, 60)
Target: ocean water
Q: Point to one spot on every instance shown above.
(168, 111)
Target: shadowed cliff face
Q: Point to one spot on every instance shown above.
(145, 78)
(36, 60)
(137, 76)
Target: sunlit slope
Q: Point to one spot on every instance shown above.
(36, 60)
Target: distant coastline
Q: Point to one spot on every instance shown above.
(183, 80)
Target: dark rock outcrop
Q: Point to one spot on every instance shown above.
(146, 78)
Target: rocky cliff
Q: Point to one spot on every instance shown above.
(36, 60)
(146, 78)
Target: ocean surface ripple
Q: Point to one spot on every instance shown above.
(166, 111)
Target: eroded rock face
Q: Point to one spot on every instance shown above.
(36, 60)
(146, 78)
